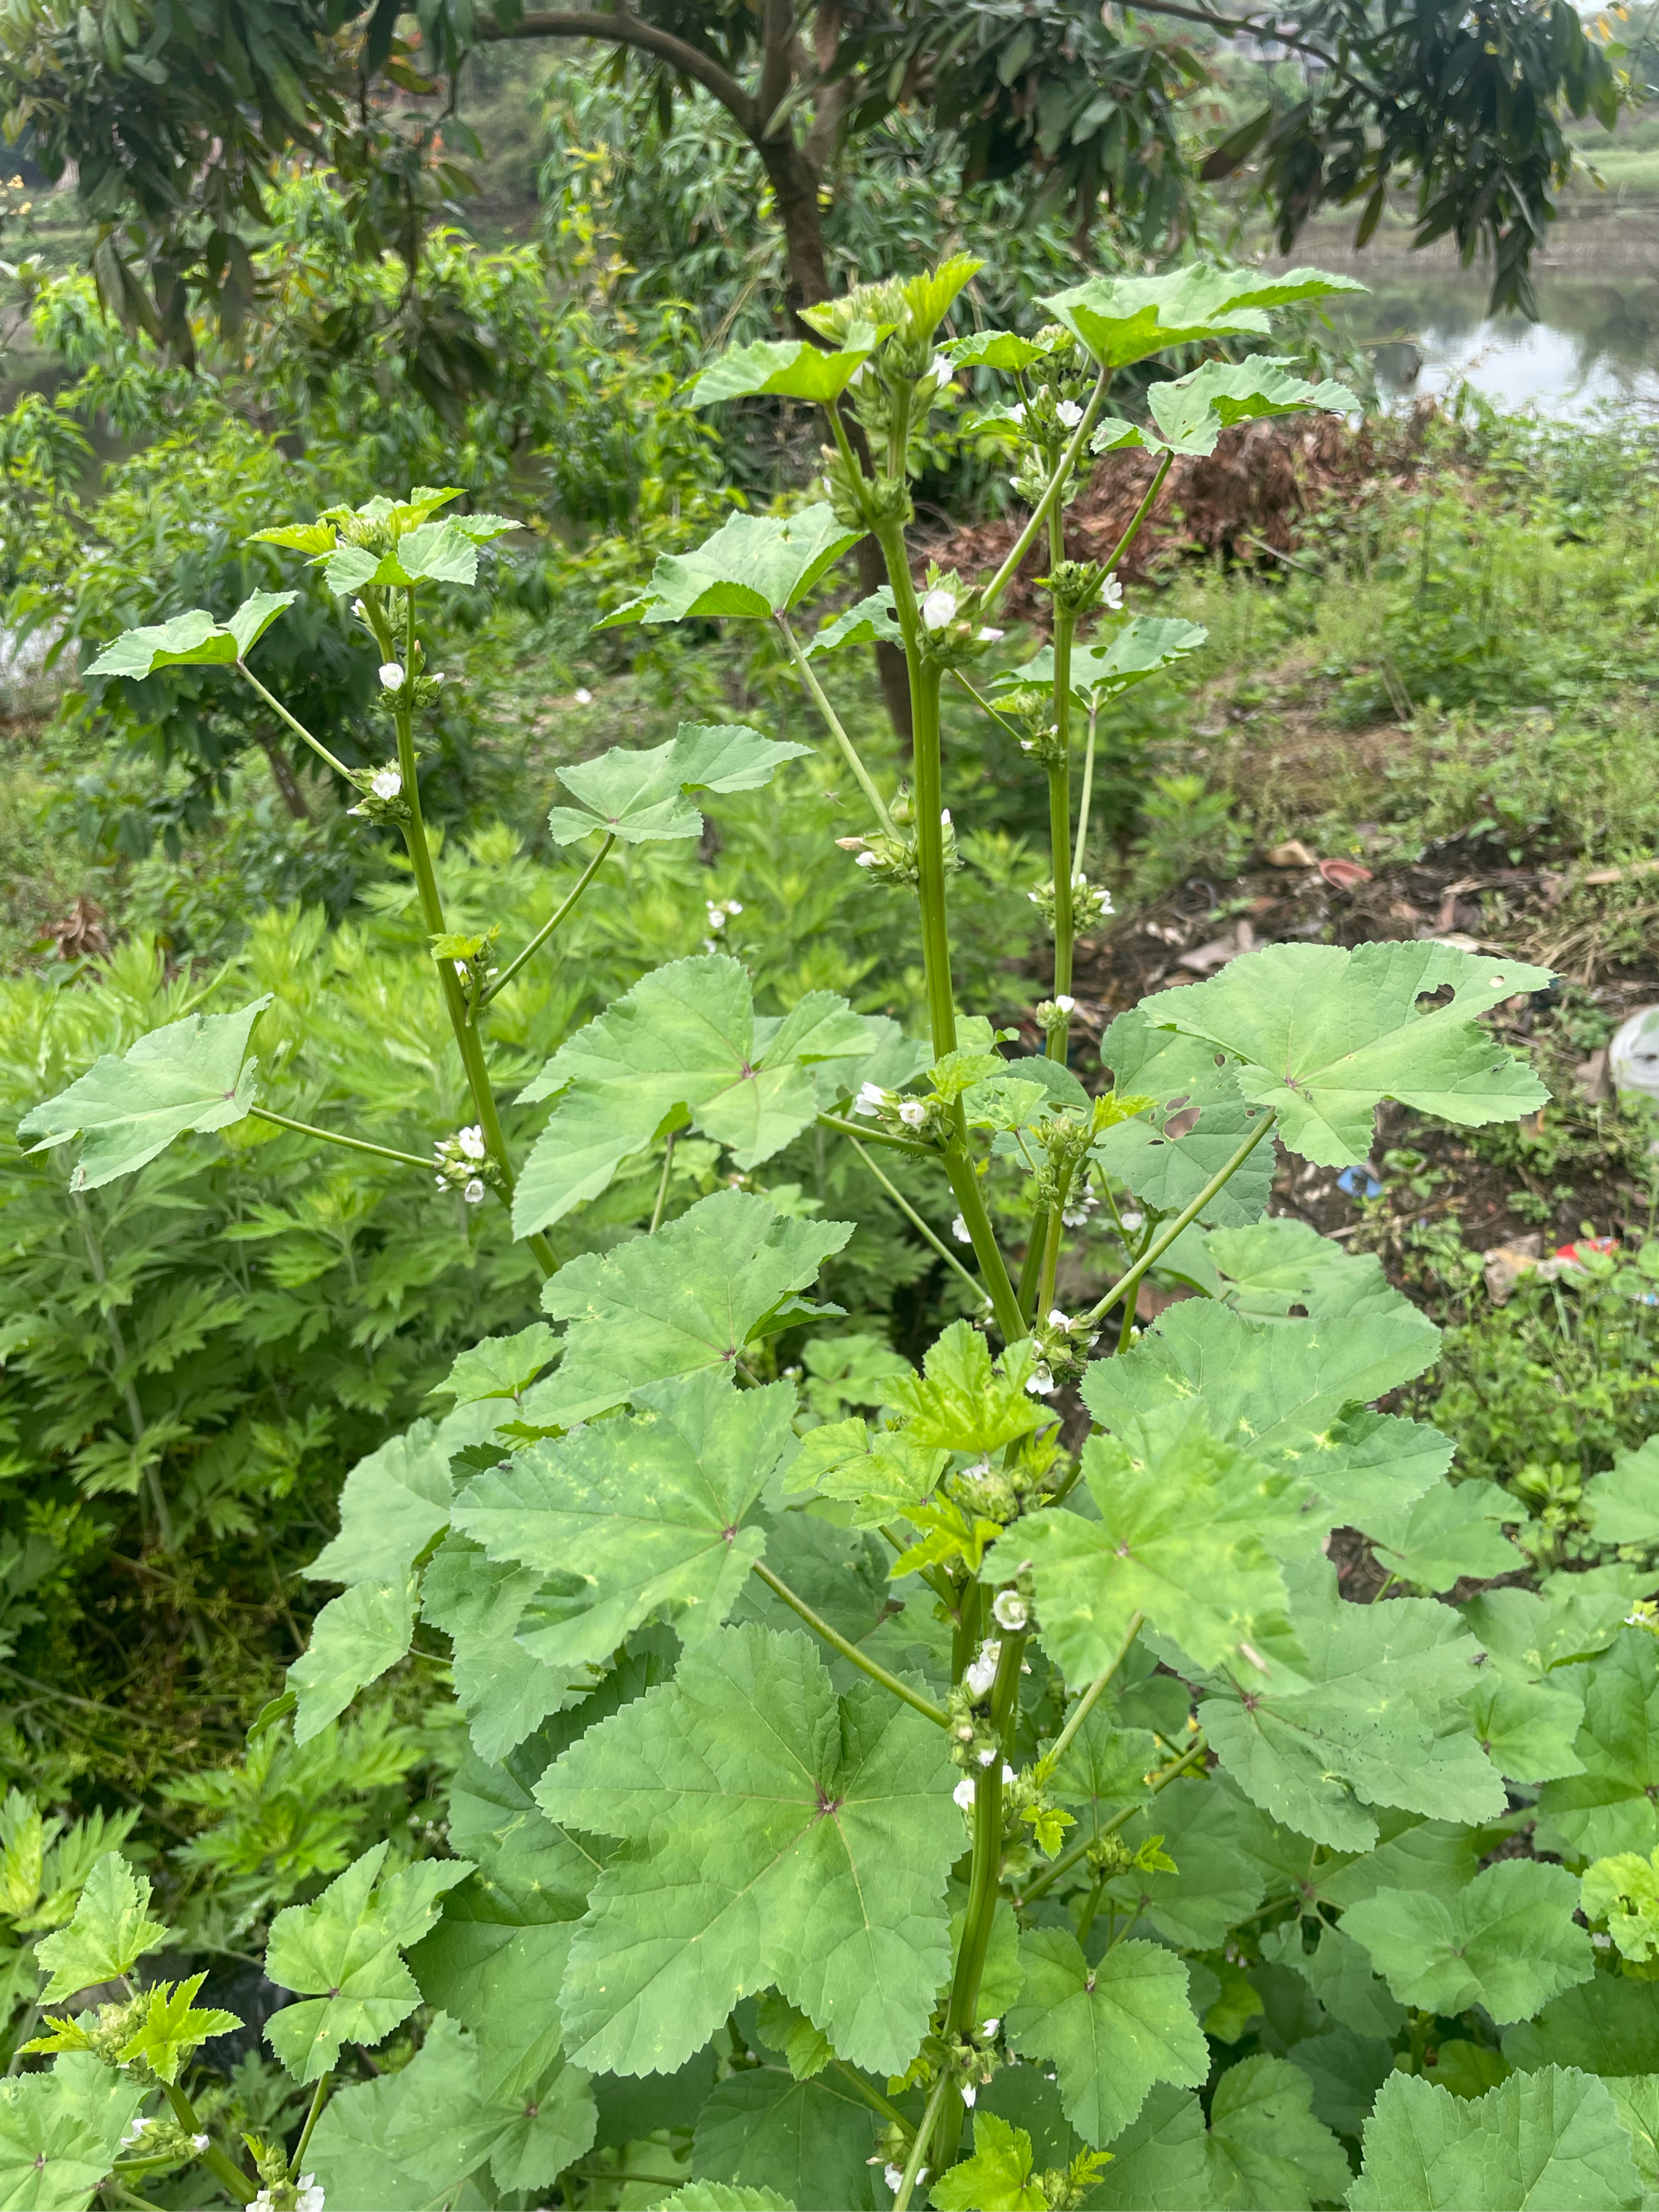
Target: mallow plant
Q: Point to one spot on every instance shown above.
(999, 1803)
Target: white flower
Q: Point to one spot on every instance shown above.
(989, 636)
(1056, 1319)
(1074, 1216)
(1008, 1771)
(1010, 1612)
(137, 2128)
(968, 2093)
(893, 2177)
(734, 906)
(359, 610)
(987, 2028)
(391, 675)
(964, 1793)
(471, 1141)
(388, 782)
(1069, 413)
(1040, 1382)
(912, 1112)
(945, 816)
(1017, 412)
(474, 1192)
(1065, 1002)
(982, 1672)
(942, 371)
(1111, 594)
(961, 1231)
(871, 1099)
(198, 2142)
(583, 697)
(310, 2198)
(986, 1757)
(939, 608)
(261, 2202)
(1130, 1219)
(867, 860)
(717, 917)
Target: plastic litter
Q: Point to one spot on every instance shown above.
(1633, 1056)
(1359, 1183)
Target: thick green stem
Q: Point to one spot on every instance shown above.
(912, 2164)
(213, 2158)
(833, 722)
(1166, 1237)
(334, 1137)
(927, 755)
(833, 1637)
(500, 982)
(1060, 808)
(431, 908)
(993, 1268)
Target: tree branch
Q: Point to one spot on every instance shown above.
(1284, 34)
(622, 29)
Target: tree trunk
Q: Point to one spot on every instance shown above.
(283, 776)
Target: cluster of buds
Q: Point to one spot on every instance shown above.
(1053, 1016)
(473, 959)
(1079, 1204)
(1090, 903)
(921, 1119)
(464, 1164)
(402, 687)
(720, 912)
(160, 2137)
(993, 1493)
(885, 860)
(276, 2192)
(382, 793)
(1063, 1344)
(1075, 585)
(952, 632)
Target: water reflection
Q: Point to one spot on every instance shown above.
(1597, 344)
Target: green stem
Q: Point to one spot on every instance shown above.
(1140, 513)
(920, 1225)
(873, 2098)
(319, 2099)
(970, 1204)
(298, 728)
(1165, 1237)
(500, 982)
(1059, 803)
(431, 908)
(333, 1137)
(1051, 1872)
(919, 2147)
(1022, 545)
(867, 1136)
(839, 1642)
(662, 1187)
(1082, 846)
(1090, 1698)
(213, 2158)
(985, 1879)
(832, 720)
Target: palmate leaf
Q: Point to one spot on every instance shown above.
(1338, 1971)
(354, 1639)
(1265, 2147)
(172, 2027)
(192, 1074)
(806, 2143)
(1110, 2030)
(686, 1042)
(781, 1835)
(644, 796)
(1622, 1505)
(1323, 1036)
(644, 1514)
(871, 621)
(1509, 1942)
(499, 1366)
(754, 567)
(1099, 672)
(1371, 1713)
(1179, 1538)
(60, 2132)
(1452, 1530)
(1609, 2025)
(341, 1954)
(396, 1500)
(1273, 1269)
(881, 1473)
(1191, 413)
(689, 1297)
(1216, 1882)
(1549, 2138)
(195, 639)
(792, 369)
(111, 1931)
(1124, 319)
(963, 1400)
(997, 2177)
(1168, 1167)
(1614, 1804)
(505, 1692)
(1158, 2161)
(724, 2197)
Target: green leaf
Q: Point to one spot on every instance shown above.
(1123, 318)
(1167, 1167)
(1622, 1506)
(689, 1297)
(870, 620)
(1609, 2025)
(1192, 412)
(1509, 1942)
(754, 567)
(789, 370)
(963, 1401)
(189, 1075)
(505, 1692)
(354, 1639)
(805, 2050)
(341, 1954)
(1624, 1892)
(432, 552)
(1271, 1268)
(881, 1471)
(1110, 2030)
(1101, 672)
(1104, 1767)
(1003, 350)
(1158, 2163)
(781, 1836)
(397, 1499)
(1550, 2138)
(1324, 1035)
(1265, 2147)
(171, 2028)
(724, 2197)
(997, 2177)
(685, 1042)
(194, 639)
(499, 1367)
(643, 795)
(1614, 1804)
(111, 1931)
(808, 2142)
(1452, 1530)
(1178, 1537)
(1338, 1972)
(1371, 1715)
(1526, 1728)
(61, 2131)
(645, 1514)
(1215, 1883)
